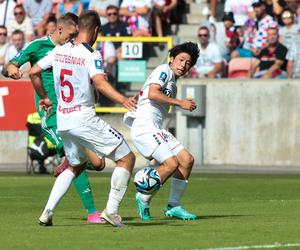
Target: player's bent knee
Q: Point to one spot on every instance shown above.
(171, 164)
(190, 161)
(127, 161)
(100, 164)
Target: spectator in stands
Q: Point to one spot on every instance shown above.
(38, 11)
(51, 24)
(210, 62)
(73, 6)
(224, 32)
(16, 45)
(271, 61)
(293, 57)
(101, 7)
(289, 32)
(21, 22)
(7, 11)
(242, 10)
(245, 46)
(161, 15)
(263, 22)
(274, 8)
(115, 27)
(137, 14)
(3, 45)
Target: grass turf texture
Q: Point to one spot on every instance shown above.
(234, 209)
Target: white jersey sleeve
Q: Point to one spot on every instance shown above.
(95, 64)
(47, 61)
(161, 75)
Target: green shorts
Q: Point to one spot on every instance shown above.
(49, 125)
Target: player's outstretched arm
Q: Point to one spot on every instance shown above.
(156, 95)
(102, 85)
(12, 70)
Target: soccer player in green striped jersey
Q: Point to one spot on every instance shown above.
(32, 53)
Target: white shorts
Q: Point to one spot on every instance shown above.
(96, 135)
(154, 143)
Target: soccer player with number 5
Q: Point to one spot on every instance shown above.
(37, 49)
(78, 71)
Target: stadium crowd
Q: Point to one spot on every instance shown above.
(31, 19)
(254, 38)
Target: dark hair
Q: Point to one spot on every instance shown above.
(51, 19)
(228, 16)
(187, 47)
(69, 19)
(204, 28)
(19, 6)
(110, 7)
(3, 27)
(89, 20)
(18, 32)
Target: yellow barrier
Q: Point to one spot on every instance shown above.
(167, 40)
(150, 39)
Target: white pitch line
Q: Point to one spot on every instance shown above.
(254, 247)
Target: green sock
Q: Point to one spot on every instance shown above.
(89, 166)
(84, 190)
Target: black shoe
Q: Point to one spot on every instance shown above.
(43, 170)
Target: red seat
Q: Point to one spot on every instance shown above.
(239, 67)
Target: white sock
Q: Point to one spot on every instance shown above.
(119, 182)
(177, 188)
(146, 198)
(60, 187)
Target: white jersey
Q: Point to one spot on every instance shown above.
(73, 67)
(149, 110)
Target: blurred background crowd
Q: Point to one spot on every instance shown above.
(249, 38)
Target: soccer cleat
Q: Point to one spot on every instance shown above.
(46, 218)
(114, 219)
(179, 212)
(95, 218)
(142, 208)
(61, 167)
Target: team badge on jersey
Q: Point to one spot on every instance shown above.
(98, 64)
(163, 76)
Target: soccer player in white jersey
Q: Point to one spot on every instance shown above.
(154, 142)
(78, 71)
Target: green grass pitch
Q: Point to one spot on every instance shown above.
(235, 210)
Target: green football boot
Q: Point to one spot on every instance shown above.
(179, 212)
(142, 208)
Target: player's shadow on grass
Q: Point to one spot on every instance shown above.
(147, 223)
(208, 217)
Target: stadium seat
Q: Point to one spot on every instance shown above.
(239, 67)
(41, 152)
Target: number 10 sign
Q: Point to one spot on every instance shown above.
(132, 49)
